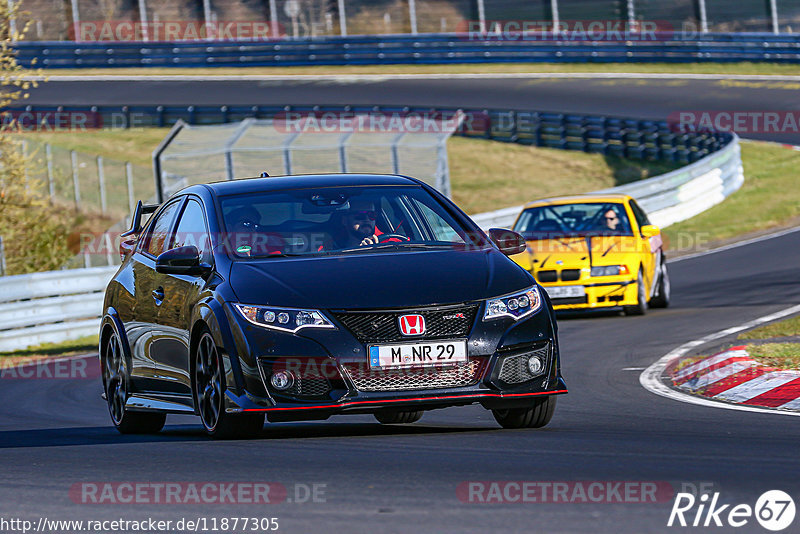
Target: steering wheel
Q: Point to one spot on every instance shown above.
(383, 238)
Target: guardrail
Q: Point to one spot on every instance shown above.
(668, 198)
(51, 307)
(408, 49)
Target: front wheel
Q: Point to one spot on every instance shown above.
(661, 299)
(209, 393)
(641, 298)
(535, 416)
(116, 382)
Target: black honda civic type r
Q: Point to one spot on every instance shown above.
(302, 297)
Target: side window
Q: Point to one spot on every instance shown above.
(641, 216)
(192, 230)
(442, 230)
(157, 239)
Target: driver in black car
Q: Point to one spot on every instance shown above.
(356, 225)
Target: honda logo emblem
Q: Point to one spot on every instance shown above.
(412, 325)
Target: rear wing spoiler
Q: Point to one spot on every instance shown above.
(136, 219)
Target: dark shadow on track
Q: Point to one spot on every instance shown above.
(61, 437)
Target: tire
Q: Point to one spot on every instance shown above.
(208, 385)
(536, 416)
(641, 306)
(116, 386)
(394, 417)
(663, 290)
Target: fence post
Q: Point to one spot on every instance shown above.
(556, 17)
(273, 19)
(50, 179)
(412, 15)
(76, 21)
(630, 8)
(129, 179)
(101, 181)
(2, 258)
(25, 165)
(143, 20)
(773, 8)
(701, 4)
(207, 20)
(342, 19)
(12, 22)
(75, 185)
(482, 16)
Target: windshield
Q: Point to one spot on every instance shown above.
(601, 218)
(339, 221)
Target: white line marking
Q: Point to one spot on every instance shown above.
(755, 387)
(408, 76)
(766, 237)
(650, 379)
(633, 369)
(708, 362)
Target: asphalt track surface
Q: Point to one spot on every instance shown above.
(645, 97)
(55, 433)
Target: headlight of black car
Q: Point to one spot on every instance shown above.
(283, 319)
(516, 306)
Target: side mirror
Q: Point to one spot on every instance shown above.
(181, 260)
(126, 247)
(650, 230)
(508, 241)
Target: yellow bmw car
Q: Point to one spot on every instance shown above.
(594, 252)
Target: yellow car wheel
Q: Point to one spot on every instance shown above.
(640, 308)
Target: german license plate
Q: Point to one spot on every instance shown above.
(417, 354)
(566, 292)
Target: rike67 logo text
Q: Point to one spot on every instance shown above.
(774, 510)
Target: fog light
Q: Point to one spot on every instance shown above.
(282, 380)
(535, 365)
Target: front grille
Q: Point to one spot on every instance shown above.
(382, 326)
(547, 276)
(570, 275)
(514, 369)
(405, 379)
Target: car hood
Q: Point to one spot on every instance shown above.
(377, 280)
(577, 252)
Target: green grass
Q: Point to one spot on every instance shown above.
(768, 199)
(778, 355)
(468, 68)
(65, 348)
(785, 328)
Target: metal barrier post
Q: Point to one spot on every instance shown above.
(482, 16)
(556, 18)
(75, 185)
(2, 258)
(701, 4)
(412, 15)
(342, 19)
(143, 20)
(273, 19)
(50, 180)
(773, 8)
(76, 20)
(101, 181)
(631, 14)
(129, 179)
(207, 18)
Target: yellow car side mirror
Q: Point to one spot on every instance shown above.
(650, 230)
